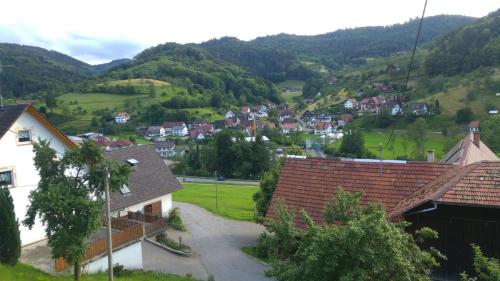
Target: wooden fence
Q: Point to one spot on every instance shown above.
(152, 224)
(129, 231)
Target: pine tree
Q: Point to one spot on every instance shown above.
(10, 241)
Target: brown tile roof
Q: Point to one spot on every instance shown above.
(477, 184)
(310, 183)
(9, 115)
(149, 179)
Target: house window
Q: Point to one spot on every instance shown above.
(24, 136)
(6, 179)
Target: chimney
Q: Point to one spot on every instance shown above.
(430, 156)
(476, 138)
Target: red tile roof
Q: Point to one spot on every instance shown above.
(477, 184)
(310, 183)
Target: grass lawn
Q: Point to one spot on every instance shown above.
(234, 201)
(22, 272)
(435, 141)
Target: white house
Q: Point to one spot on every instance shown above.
(287, 128)
(351, 104)
(175, 128)
(150, 185)
(322, 128)
(20, 127)
(165, 148)
(155, 131)
(121, 117)
(229, 115)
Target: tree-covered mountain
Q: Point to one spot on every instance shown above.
(34, 69)
(278, 57)
(206, 77)
(467, 48)
(275, 64)
(105, 67)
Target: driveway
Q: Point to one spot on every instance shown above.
(215, 243)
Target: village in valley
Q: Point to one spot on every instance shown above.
(357, 154)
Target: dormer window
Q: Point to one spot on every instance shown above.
(132, 162)
(24, 136)
(6, 179)
(124, 190)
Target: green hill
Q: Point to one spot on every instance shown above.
(35, 69)
(209, 81)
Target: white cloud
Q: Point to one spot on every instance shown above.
(96, 30)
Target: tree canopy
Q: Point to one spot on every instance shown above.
(69, 197)
(10, 241)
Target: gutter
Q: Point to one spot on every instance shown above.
(434, 207)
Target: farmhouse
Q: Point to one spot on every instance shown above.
(287, 128)
(20, 127)
(121, 117)
(461, 202)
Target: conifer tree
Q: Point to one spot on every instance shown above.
(10, 242)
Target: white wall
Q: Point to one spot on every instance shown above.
(19, 157)
(166, 205)
(130, 257)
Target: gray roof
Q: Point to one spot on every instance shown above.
(9, 115)
(164, 144)
(150, 178)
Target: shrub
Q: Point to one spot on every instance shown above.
(120, 271)
(174, 219)
(265, 246)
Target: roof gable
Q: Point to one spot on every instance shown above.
(10, 113)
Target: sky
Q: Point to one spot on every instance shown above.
(98, 31)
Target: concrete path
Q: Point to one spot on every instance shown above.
(215, 243)
(38, 255)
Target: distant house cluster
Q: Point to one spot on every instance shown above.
(102, 141)
(326, 124)
(122, 117)
(380, 104)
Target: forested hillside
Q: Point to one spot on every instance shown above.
(209, 81)
(467, 49)
(275, 64)
(35, 69)
(105, 67)
(346, 45)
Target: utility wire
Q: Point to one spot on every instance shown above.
(405, 89)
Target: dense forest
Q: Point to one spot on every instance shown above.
(275, 64)
(466, 49)
(36, 69)
(105, 67)
(203, 75)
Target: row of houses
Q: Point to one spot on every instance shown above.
(380, 103)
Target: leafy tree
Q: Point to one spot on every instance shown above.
(487, 269)
(268, 184)
(10, 242)
(353, 144)
(70, 203)
(366, 246)
(464, 115)
(295, 150)
(50, 101)
(490, 133)
(418, 133)
(226, 161)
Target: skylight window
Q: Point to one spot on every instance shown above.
(132, 161)
(124, 190)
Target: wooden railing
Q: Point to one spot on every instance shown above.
(129, 231)
(142, 217)
(152, 224)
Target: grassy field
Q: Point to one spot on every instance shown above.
(402, 145)
(234, 201)
(328, 100)
(290, 89)
(22, 272)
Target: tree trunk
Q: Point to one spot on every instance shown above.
(77, 270)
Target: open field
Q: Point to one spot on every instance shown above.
(137, 82)
(22, 272)
(290, 89)
(402, 145)
(328, 100)
(234, 201)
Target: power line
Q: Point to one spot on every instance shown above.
(405, 89)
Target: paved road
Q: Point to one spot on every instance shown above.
(216, 244)
(211, 180)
